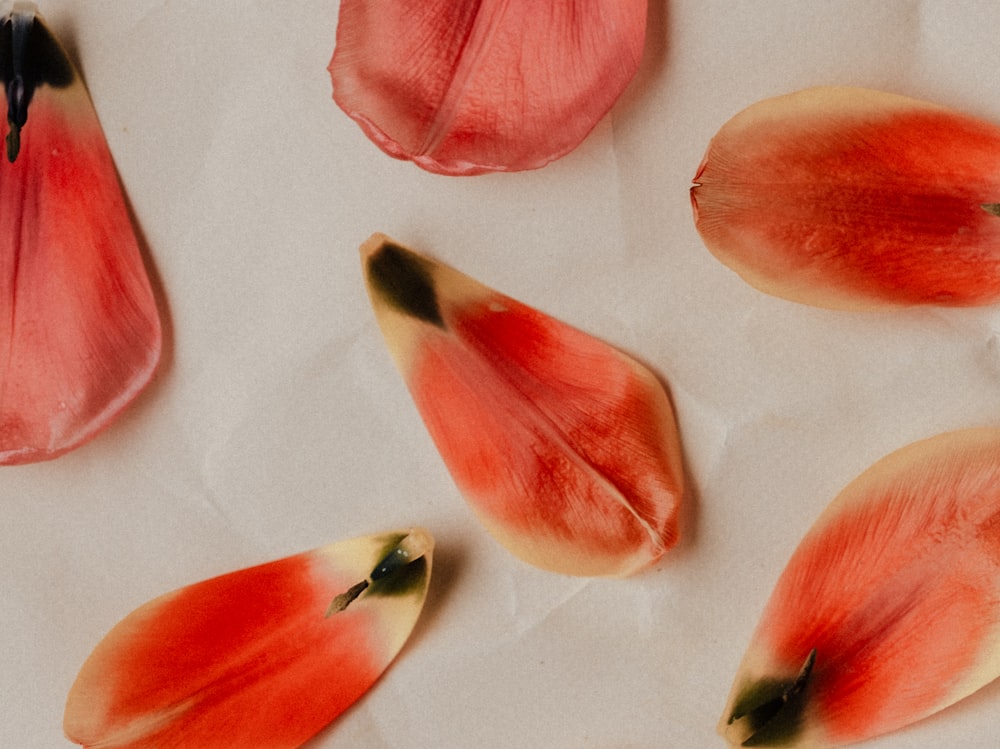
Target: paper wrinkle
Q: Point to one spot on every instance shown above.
(207, 499)
(529, 597)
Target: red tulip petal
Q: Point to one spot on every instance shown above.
(79, 330)
(889, 610)
(483, 85)
(264, 657)
(566, 448)
(848, 198)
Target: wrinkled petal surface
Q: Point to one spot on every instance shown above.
(889, 610)
(565, 447)
(264, 657)
(483, 85)
(850, 198)
(79, 331)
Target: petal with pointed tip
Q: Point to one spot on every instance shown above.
(483, 85)
(849, 198)
(565, 447)
(889, 610)
(79, 330)
(264, 657)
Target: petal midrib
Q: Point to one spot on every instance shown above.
(473, 49)
(539, 417)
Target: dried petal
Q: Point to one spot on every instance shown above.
(566, 448)
(889, 610)
(849, 198)
(79, 331)
(264, 657)
(483, 85)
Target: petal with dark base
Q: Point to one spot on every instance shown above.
(565, 447)
(264, 657)
(79, 329)
(892, 600)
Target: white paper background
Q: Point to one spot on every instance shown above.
(277, 422)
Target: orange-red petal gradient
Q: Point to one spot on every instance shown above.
(264, 657)
(889, 610)
(471, 86)
(79, 330)
(565, 447)
(849, 198)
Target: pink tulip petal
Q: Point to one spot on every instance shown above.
(79, 330)
(848, 198)
(889, 610)
(566, 448)
(483, 85)
(264, 657)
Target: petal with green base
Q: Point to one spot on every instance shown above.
(79, 329)
(889, 609)
(565, 447)
(264, 657)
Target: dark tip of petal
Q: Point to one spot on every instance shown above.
(394, 561)
(993, 208)
(408, 578)
(29, 57)
(401, 570)
(771, 710)
(403, 279)
(28, 49)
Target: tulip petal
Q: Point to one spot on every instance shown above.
(849, 198)
(79, 331)
(264, 657)
(889, 610)
(483, 85)
(565, 447)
